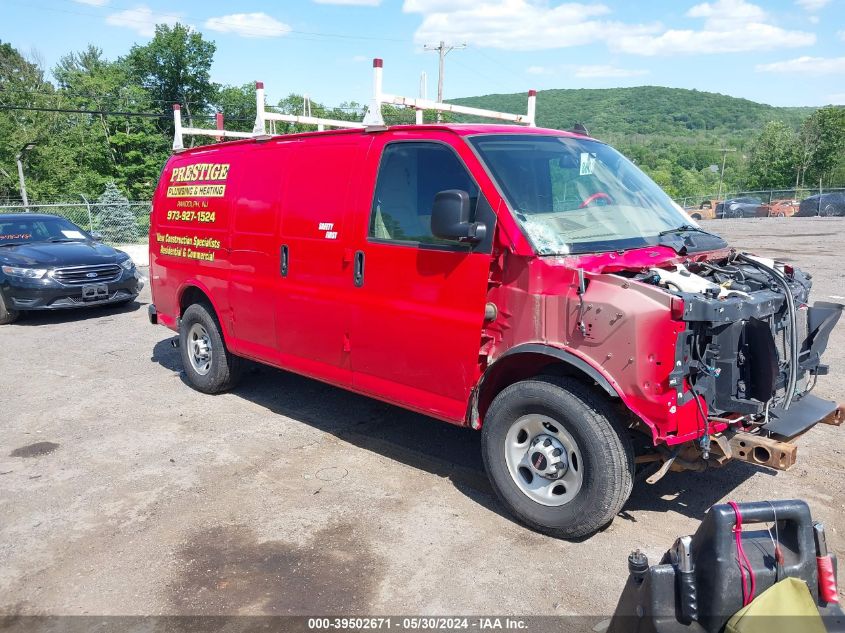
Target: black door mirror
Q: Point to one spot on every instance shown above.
(97, 236)
(450, 218)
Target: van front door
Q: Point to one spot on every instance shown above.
(419, 309)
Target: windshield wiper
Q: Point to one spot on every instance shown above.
(58, 240)
(12, 244)
(684, 228)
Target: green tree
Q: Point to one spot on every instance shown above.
(772, 161)
(90, 151)
(827, 128)
(115, 219)
(237, 103)
(175, 67)
(22, 85)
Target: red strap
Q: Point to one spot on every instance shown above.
(749, 584)
(827, 579)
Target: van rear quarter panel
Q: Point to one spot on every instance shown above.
(189, 236)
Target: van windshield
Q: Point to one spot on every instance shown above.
(576, 195)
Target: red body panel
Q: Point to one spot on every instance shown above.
(414, 333)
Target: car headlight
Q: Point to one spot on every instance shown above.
(128, 264)
(24, 273)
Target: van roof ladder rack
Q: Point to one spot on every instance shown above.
(262, 116)
(372, 119)
(220, 133)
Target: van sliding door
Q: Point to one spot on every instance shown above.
(313, 288)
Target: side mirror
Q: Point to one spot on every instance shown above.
(450, 218)
(98, 237)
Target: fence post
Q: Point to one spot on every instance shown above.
(90, 219)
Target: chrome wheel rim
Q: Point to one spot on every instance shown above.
(199, 349)
(543, 476)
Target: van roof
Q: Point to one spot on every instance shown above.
(461, 129)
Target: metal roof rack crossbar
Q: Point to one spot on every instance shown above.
(372, 119)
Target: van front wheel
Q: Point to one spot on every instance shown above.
(556, 457)
(209, 366)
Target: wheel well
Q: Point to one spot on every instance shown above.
(696, 216)
(510, 369)
(190, 296)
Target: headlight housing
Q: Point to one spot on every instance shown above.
(128, 264)
(24, 273)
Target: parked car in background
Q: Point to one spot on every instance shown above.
(779, 209)
(825, 204)
(745, 207)
(705, 211)
(48, 263)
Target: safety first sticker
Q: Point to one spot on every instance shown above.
(328, 227)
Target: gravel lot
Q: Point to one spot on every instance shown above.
(123, 491)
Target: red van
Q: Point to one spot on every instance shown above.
(530, 283)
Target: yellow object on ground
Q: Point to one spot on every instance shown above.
(786, 607)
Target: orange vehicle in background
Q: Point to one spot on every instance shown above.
(705, 211)
(779, 209)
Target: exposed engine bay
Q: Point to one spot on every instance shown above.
(752, 347)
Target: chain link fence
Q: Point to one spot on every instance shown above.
(764, 196)
(125, 223)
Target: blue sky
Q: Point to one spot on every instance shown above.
(783, 52)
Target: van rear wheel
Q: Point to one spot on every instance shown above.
(556, 456)
(209, 366)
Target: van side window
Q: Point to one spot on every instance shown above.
(410, 175)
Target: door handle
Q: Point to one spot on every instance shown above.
(283, 261)
(358, 269)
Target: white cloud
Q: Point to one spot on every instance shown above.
(93, 3)
(513, 24)
(539, 70)
(812, 5)
(806, 65)
(841, 35)
(602, 70)
(142, 19)
(360, 58)
(814, 19)
(248, 25)
(355, 3)
(838, 99)
(730, 26)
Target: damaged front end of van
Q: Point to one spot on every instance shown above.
(749, 356)
(709, 354)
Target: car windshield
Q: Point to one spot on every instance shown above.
(23, 230)
(576, 195)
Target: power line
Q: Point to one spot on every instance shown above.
(148, 115)
(62, 92)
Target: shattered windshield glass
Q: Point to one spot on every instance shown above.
(577, 196)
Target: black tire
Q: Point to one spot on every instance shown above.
(225, 368)
(7, 315)
(607, 454)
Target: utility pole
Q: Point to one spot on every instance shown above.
(19, 158)
(442, 51)
(722, 173)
